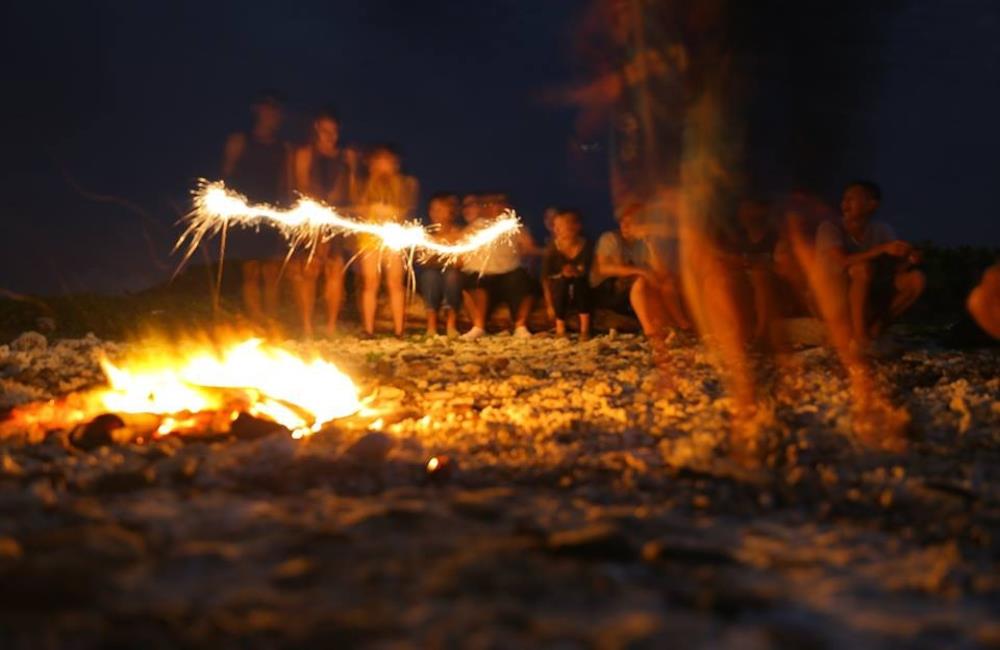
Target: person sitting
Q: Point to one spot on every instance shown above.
(328, 173)
(622, 277)
(566, 267)
(867, 265)
(984, 301)
(388, 196)
(255, 164)
(441, 284)
(494, 275)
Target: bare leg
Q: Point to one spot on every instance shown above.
(397, 292)
(523, 312)
(333, 290)
(370, 276)
(647, 307)
(560, 327)
(451, 322)
(271, 275)
(584, 325)
(251, 290)
(859, 286)
(303, 275)
(476, 303)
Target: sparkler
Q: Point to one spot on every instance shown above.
(308, 222)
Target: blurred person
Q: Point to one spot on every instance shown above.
(387, 196)
(623, 279)
(326, 172)
(256, 164)
(548, 220)
(750, 248)
(566, 267)
(984, 301)
(874, 270)
(494, 275)
(441, 284)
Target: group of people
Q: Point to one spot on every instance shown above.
(796, 251)
(576, 274)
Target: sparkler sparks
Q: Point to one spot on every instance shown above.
(309, 222)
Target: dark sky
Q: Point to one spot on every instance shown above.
(133, 100)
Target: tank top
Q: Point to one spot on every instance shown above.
(328, 178)
(261, 171)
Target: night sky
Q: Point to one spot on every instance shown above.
(132, 101)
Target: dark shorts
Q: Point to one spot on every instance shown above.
(613, 294)
(511, 288)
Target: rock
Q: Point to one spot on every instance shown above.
(29, 342)
(371, 448)
(601, 541)
(10, 549)
(97, 432)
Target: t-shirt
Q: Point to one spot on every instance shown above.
(502, 257)
(554, 260)
(612, 245)
(832, 234)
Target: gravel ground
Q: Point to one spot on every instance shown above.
(573, 506)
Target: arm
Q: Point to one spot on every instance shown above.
(235, 145)
(301, 167)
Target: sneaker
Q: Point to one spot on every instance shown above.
(521, 332)
(473, 334)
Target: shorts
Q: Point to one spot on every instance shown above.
(511, 288)
(613, 294)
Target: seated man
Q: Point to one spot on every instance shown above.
(495, 275)
(864, 262)
(622, 277)
(984, 302)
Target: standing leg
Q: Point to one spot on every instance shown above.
(453, 298)
(251, 290)
(333, 291)
(303, 274)
(397, 291)
(370, 276)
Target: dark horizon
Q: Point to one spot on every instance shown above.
(134, 102)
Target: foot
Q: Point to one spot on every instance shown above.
(366, 336)
(473, 334)
(452, 333)
(584, 337)
(521, 332)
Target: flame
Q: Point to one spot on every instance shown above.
(265, 381)
(308, 222)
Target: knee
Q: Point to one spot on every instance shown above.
(860, 272)
(913, 282)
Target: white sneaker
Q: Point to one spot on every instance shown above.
(473, 334)
(521, 332)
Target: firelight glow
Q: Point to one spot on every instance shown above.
(308, 222)
(265, 381)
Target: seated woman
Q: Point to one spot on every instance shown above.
(566, 268)
(387, 196)
(441, 285)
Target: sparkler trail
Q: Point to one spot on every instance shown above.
(309, 222)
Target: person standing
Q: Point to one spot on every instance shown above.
(255, 164)
(387, 196)
(326, 172)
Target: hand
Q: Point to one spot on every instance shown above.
(569, 271)
(898, 248)
(351, 158)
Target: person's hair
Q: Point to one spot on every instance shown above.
(871, 188)
(384, 148)
(631, 210)
(571, 213)
(327, 113)
(268, 97)
(446, 197)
